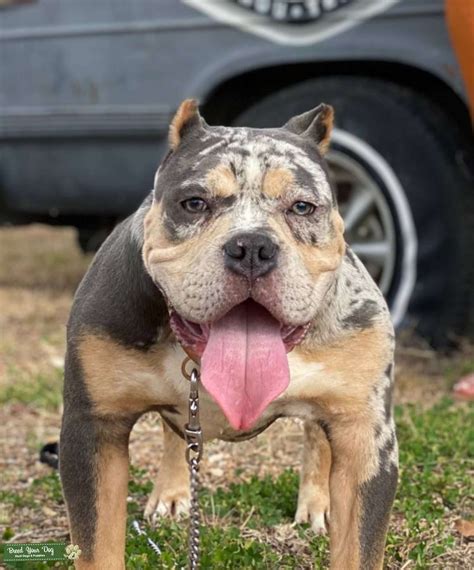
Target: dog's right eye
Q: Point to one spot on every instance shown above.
(195, 205)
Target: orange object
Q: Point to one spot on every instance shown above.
(460, 20)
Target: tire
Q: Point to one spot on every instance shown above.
(409, 150)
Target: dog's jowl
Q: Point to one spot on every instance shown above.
(237, 259)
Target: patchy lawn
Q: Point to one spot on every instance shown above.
(249, 489)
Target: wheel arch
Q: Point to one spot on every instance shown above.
(221, 106)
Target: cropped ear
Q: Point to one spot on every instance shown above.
(315, 125)
(186, 120)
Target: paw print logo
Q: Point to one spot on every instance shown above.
(72, 552)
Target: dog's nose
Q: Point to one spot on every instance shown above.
(251, 254)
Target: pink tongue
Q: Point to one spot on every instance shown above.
(244, 365)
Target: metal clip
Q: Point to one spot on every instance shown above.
(192, 430)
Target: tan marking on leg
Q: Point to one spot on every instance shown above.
(222, 182)
(276, 181)
(121, 380)
(170, 495)
(355, 461)
(186, 111)
(313, 496)
(111, 502)
(345, 519)
(340, 379)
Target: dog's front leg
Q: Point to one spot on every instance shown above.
(362, 488)
(94, 473)
(313, 496)
(170, 495)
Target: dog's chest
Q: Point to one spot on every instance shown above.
(324, 381)
(213, 420)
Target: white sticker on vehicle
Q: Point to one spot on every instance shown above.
(292, 22)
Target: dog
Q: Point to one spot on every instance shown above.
(236, 259)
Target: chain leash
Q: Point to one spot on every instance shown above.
(193, 437)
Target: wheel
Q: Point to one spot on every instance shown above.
(406, 200)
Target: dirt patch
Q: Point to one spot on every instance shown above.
(41, 257)
(40, 267)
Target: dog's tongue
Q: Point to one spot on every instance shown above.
(244, 365)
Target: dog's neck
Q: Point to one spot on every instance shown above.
(349, 304)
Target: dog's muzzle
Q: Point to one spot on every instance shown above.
(251, 254)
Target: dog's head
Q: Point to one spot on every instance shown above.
(243, 221)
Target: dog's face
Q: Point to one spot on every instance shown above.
(244, 240)
(244, 214)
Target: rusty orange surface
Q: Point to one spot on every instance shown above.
(460, 20)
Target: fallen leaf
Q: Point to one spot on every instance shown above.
(465, 528)
(464, 388)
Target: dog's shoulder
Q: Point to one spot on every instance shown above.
(117, 298)
(351, 337)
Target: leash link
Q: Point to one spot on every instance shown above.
(194, 448)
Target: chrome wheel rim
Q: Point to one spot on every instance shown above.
(368, 219)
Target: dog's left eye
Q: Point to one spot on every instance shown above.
(195, 205)
(302, 208)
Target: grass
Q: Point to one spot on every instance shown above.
(248, 524)
(44, 490)
(436, 456)
(40, 390)
(436, 463)
(243, 524)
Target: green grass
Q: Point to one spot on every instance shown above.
(436, 461)
(242, 520)
(42, 491)
(41, 391)
(259, 503)
(436, 457)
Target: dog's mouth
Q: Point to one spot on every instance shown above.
(243, 358)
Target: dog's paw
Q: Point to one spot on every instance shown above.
(313, 508)
(171, 502)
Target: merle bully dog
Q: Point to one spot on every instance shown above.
(236, 258)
